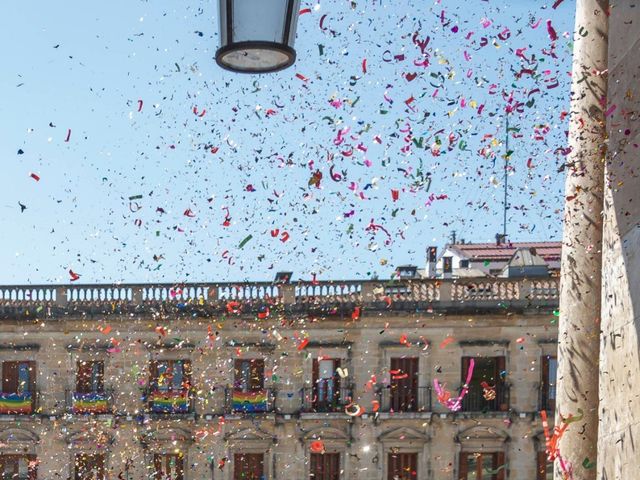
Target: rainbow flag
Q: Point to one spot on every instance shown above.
(90, 403)
(16, 403)
(169, 402)
(249, 401)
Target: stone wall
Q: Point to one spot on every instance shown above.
(211, 435)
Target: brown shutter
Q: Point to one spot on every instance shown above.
(315, 371)
(541, 466)
(99, 369)
(501, 394)
(33, 471)
(256, 380)
(157, 466)
(10, 377)
(497, 463)
(463, 466)
(153, 375)
(83, 376)
(237, 372)
(186, 374)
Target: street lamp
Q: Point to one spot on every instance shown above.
(257, 36)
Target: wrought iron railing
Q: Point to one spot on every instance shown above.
(398, 400)
(477, 400)
(315, 400)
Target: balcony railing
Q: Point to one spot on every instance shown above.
(18, 403)
(336, 298)
(250, 402)
(169, 402)
(94, 403)
(475, 401)
(404, 400)
(328, 402)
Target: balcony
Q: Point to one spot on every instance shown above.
(23, 403)
(249, 402)
(326, 298)
(402, 401)
(474, 400)
(333, 402)
(94, 403)
(178, 402)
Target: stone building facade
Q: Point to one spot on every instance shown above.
(321, 380)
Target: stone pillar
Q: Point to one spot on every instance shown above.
(580, 289)
(619, 427)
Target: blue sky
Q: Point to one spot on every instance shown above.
(432, 112)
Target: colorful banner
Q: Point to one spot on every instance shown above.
(91, 403)
(16, 403)
(250, 402)
(169, 402)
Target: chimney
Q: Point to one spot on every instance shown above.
(432, 258)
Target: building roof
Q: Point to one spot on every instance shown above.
(524, 257)
(549, 251)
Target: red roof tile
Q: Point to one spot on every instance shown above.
(490, 251)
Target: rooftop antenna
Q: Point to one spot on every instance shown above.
(453, 237)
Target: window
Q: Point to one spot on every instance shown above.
(248, 466)
(18, 387)
(487, 377)
(326, 385)
(324, 466)
(168, 466)
(404, 384)
(402, 466)
(89, 466)
(545, 467)
(249, 374)
(90, 377)
(248, 393)
(170, 375)
(89, 396)
(548, 383)
(18, 467)
(481, 466)
(464, 263)
(169, 386)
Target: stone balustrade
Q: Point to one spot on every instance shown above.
(321, 297)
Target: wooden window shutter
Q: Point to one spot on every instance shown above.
(153, 374)
(83, 376)
(463, 466)
(315, 371)
(186, 374)
(157, 466)
(541, 466)
(10, 377)
(237, 372)
(499, 462)
(98, 370)
(501, 394)
(256, 380)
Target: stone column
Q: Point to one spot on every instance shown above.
(581, 267)
(619, 427)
